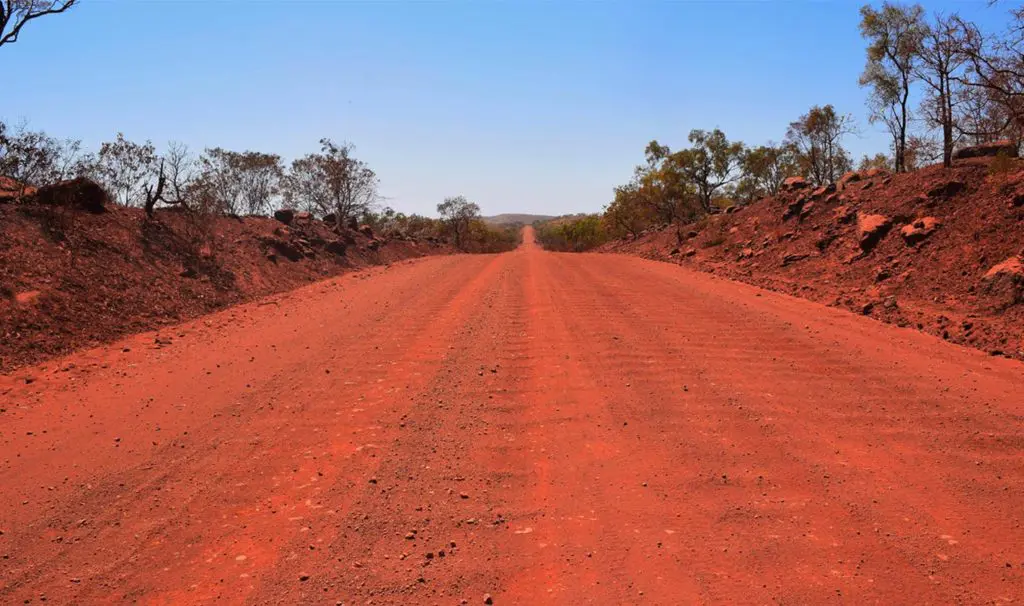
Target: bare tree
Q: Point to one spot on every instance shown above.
(15, 14)
(996, 72)
(894, 33)
(332, 182)
(174, 181)
(126, 168)
(237, 183)
(34, 158)
(941, 60)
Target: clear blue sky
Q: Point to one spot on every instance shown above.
(521, 106)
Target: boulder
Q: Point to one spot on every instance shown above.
(366, 230)
(689, 252)
(286, 249)
(794, 208)
(1006, 282)
(806, 210)
(823, 191)
(850, 177)
(794, 183)
(793, 258)
(285, 215)
(994, 148)
(11, 190)
(919, 230)
(81, 193)
(303, 218)
(871, 229)
(843, 214)
(330, 219)
(337, 247)
(947, 189)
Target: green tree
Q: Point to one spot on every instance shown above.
(817, 138)
(458, 215)
(894, 36)
(627, 214)
(878, 160)
(711, 163)
(765, 167)
(663, 186)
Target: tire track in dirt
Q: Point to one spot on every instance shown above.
(876, 496)
(543, 428)
(289, 437)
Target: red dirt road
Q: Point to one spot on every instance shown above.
(543, 428)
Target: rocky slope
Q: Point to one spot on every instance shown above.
(71, 278)
(938, 249)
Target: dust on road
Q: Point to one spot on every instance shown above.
(538, 427)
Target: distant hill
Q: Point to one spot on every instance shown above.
(512, 219)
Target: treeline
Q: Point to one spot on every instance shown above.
(575, 233)
(935, 82)
(332, 184)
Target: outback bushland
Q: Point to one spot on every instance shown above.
(935, 81)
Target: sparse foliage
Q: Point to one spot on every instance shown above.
(458, 213)
(894, 34)
(331, 182)
(711, 163)
(995, 72)
(239, 183)
(880, 161)
(817, 137)
(942, 57)
(125, 168)
(765, 167)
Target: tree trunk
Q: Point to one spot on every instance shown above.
(947, 121)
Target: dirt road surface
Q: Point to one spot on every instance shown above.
(538, 427)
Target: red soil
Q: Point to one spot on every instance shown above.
(927, 271)
(539, 427)
(72, 279)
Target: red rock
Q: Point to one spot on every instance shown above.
(871, 229)
(850, 177)
(794, 183)
(285, 215)
(995, 148)
(78, 193)
(1005, 282)
(1010, 267)
(920, 229)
